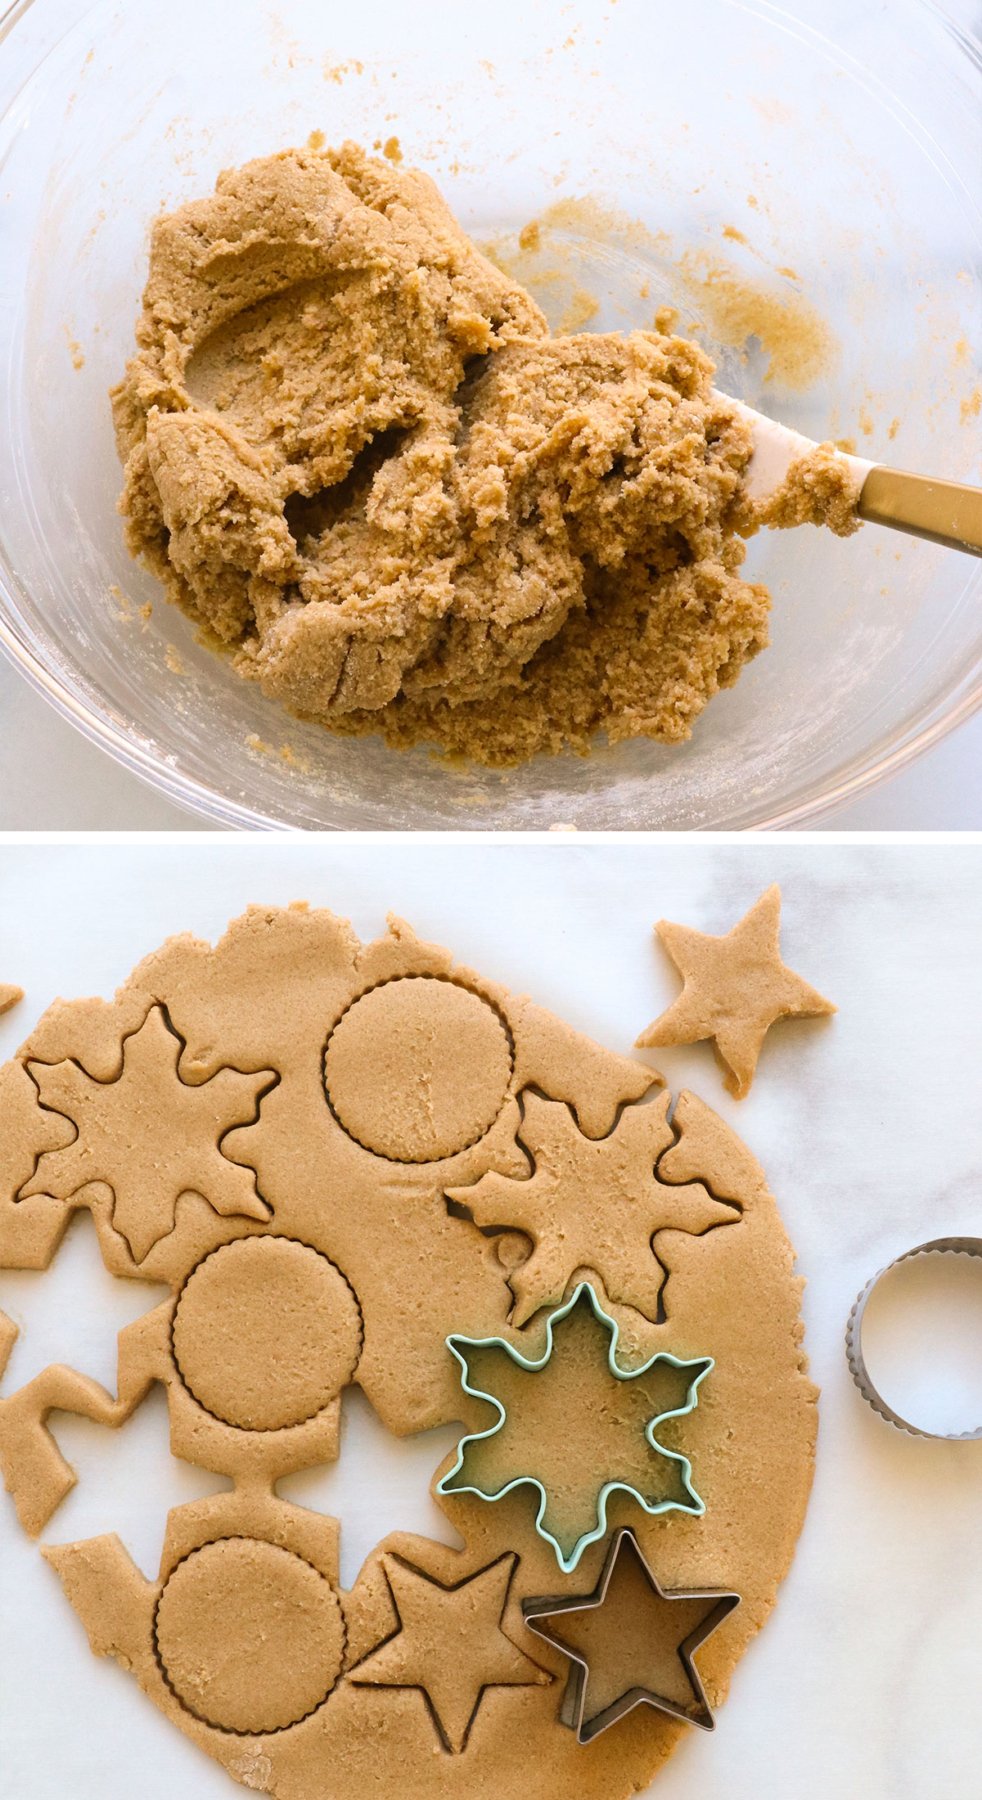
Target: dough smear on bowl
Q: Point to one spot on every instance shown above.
(355, 454)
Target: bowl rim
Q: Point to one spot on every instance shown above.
(205, 801)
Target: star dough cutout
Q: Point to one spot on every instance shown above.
(736, 988)
(150, 1136)
(9, 996)
(630, 1643)
(449, 1644)
(575, 1426)
(591, 1203)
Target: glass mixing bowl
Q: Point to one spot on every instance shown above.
(831, 151)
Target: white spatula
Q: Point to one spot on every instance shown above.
(947, 512)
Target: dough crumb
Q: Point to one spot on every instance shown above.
(289, 756)
(254, 1770)
(337, 72)
(125, 610)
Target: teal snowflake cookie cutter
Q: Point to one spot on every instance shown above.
(702, 1365)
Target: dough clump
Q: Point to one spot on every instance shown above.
(354, 454)
(821, 488)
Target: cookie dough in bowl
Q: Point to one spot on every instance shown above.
(355, 454)
(650, 143)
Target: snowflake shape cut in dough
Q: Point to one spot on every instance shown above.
(150, 1136)
(591, 1203)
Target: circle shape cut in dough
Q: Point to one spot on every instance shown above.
(418, 1069)
(267, 1332)
(250, 1637)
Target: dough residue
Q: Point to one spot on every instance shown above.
(795, 338)
(354, 454)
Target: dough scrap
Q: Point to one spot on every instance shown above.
(353, 452)
(735, 988)
(9, 996)
(267, 998)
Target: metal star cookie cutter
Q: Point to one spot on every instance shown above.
(702, 1365)
(951, 1246)
(574, 1699)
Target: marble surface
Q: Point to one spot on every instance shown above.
(869, 1125)
(55, 781)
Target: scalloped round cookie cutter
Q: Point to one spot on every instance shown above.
(950, 1246)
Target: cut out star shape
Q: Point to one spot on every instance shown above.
(449, 1644)
(9, 996)
(735, 988)
(575, 1426)
(630, 1643)
(591, 1203)
(150, 1136)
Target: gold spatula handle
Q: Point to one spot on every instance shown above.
(947, 512)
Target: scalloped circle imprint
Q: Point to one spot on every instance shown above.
(266, 1333)
(418, 1069)
(393, 1079)
(250, 1637)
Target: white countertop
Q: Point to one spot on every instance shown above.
(866, 1680)
(53, 780)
